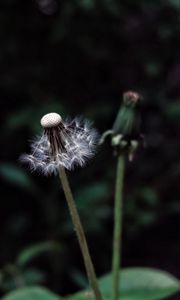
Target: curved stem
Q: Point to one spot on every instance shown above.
(80, 234)
(116, 261)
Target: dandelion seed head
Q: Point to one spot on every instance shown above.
(67, 144)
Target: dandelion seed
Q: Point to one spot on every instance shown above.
(65, 144)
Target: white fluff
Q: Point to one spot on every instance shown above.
(76, 141)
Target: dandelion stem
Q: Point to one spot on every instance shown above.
(80, 234)
(116, 260)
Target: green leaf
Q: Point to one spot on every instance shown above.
(33, 276)
(79, 278)
(87, 4)
(172, 110)
(15, 175)
(142, 283)
(91, 193)
(34, 250)
(83, 296)
(136, 284)
(31, 293)
(10, 275)
(93, 196)
(175, 3)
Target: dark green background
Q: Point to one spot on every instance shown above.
(77, 57)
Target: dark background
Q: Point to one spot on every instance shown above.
(77, 57)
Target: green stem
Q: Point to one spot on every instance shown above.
(80, 234)
(116, 260)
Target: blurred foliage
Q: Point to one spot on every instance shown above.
(15, 176)
(30, 252)
(142, 283)
(136, 284)
(78, 57)
(31, 293)
(19, 273)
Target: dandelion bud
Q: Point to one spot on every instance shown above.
(127, 122)
(126, 129)
(131, 98)
(126, 132)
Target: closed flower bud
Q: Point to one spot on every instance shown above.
(127, 121)
(126, 132)
(131, 98)
(126, 128)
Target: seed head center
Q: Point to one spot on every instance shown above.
(50, 120)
